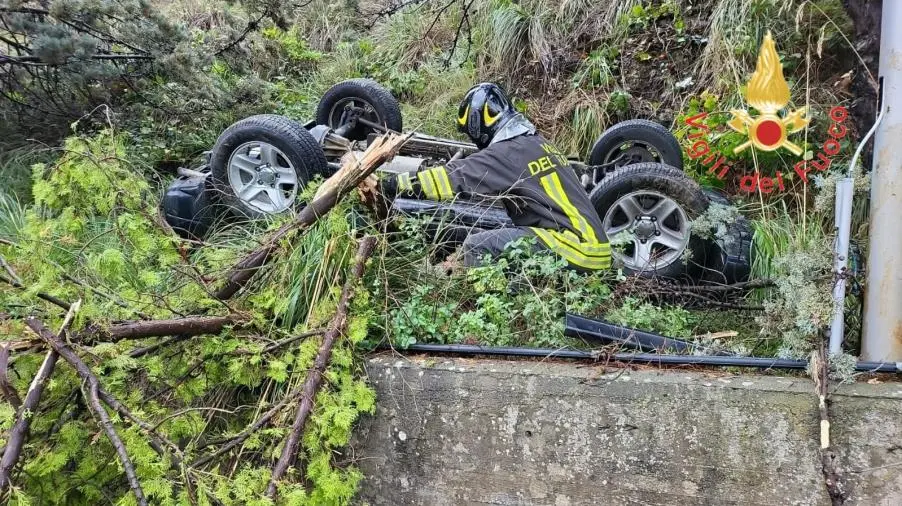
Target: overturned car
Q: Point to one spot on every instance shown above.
(633, 174)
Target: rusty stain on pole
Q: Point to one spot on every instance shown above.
(882, 331)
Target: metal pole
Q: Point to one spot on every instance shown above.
(844, 191)
(882, 332)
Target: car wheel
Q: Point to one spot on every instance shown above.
(260, 164)
(361, 98)
(646, 211)
(635, 141)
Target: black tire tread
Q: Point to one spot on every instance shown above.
(651, 175)
(730, 263)
(382, 99)
(625, 130)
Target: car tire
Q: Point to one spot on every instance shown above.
(635, 141)
(260, 164)
(381, 106)
(730, 261)
(653, 204)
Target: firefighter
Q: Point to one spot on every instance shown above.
(533, 179)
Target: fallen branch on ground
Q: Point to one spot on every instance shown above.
(315, 376)
(336, 187)
(9, 392)
(703, 295)
(19, 431)
(188, 326)
(158, 442)
(49, 298)
(92, 395)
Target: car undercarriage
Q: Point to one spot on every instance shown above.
(633, 175)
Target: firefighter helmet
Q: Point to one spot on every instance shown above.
(483, 111)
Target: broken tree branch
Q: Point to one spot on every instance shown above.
(9, 270)
(8, 391)
(49, 298)
(246, 433)
(315, 376)
(188, 326)
(336, 187)
(92, 395)
(157, 440)
(19, 431)
(104, 420)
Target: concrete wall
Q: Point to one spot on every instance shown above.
(458, 432)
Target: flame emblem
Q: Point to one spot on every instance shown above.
(768, 92)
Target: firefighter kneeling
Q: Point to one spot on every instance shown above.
(533, 179)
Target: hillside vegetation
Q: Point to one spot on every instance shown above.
(101, 101)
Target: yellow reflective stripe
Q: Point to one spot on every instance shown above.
(590, 233)
(443, 183)
(591, 249)
(554, 189)
(487, 118)
(404, 183)
(438, 188)
(572, 254)
(462, 120)
(427, 184)
(572, 257)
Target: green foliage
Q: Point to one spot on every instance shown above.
(94, 221)
(12, 216)
(519, 299)
(669, 320)
(716, 222)
(795, 252)
(293, 50)
(643, 14)
(15, 170)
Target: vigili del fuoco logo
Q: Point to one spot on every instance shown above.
(768, 93)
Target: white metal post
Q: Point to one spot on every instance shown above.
(844, 192)
(882, 332)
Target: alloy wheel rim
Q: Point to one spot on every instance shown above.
(261, 175)
(657, 230)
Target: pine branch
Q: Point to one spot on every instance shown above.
(315, 376)
(8, 391)
(92, 393)
(251, 26)
(49, 298)
(36, 60)
(242, 436)
(104, 420)
(20, 429)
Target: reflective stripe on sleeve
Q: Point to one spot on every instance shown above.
(427, 184)
(552, 185)
(404, 182)
(443, 183)
(595, 256)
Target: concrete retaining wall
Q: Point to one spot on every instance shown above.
(457, 432)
